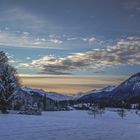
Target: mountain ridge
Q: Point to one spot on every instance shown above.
(52, 95)
(126, 91)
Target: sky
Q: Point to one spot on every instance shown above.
(71, 37)
(70, 85)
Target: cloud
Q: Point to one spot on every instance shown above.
(124, 52)
(24, 66)
(25, 39)
(72, 38)
(12, 61)
(28, 58)
(56, 41)
(92, 40)
(23, 20)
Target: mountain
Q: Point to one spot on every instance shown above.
(58, 97)
(51, 95)
(128, 90)
(103, 94)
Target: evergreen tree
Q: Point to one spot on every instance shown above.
(9, 84)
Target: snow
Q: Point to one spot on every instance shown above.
(77, 125)
(33, 91)
(136, 85)
(134, 79)
(109, 88)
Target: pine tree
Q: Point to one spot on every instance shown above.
(9, 84)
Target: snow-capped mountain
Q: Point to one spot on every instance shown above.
(127, 90)
(104, 93)
(52, 95)
(58, 97)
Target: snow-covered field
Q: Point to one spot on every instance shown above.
(70, 125)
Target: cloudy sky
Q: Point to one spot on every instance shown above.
(83, 37)
(71, 37)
